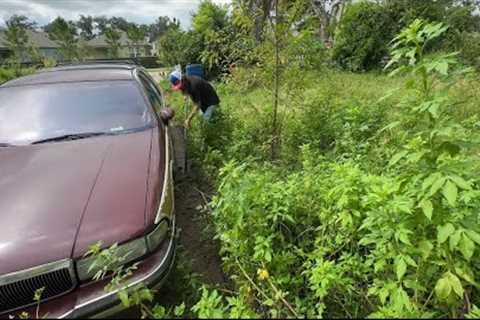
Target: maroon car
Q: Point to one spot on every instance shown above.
(85, 156)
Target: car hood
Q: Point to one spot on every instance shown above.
(57, 197)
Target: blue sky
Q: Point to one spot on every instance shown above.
(139, 11)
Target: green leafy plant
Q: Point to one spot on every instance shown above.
(361, 235)
(112, 38)
(65, 33)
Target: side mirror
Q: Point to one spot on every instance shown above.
(167, 114)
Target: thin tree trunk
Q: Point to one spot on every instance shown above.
(275, 89)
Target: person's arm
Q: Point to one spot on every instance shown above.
(196, 99)
(190, 116)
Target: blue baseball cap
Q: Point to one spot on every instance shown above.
(176, 80)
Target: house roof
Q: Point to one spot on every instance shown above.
(41, 40)
(101, 41)
(36, 38)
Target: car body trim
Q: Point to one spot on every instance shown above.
(167, 183)
(38, 270)
(30, 273)
(132, 284)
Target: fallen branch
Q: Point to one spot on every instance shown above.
(252, 282)
(205, 200)
(278, 293)
(285, 302)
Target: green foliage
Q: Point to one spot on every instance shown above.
(225, 41)
(210, 305)
(7, 74)
(17, 41)
(112, 37)
(85, 24)
(378, 219)
(136, 34)
(213, 306)
(404, 12)
(21, 21)
(363, 36)
(209, 18)
(65, 34)
(469, 48)
(177, 47)
(367, 28)
(161, 26)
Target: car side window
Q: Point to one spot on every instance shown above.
(152, 83)
(152, 94)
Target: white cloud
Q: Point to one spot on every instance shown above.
(139, 11)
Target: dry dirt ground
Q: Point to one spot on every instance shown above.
(196, 233)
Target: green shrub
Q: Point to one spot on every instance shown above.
(306, 50)
(329, 124)
(470, 49)
(363, 36)
(395, 237)
(7, 74)
(367, 28)
(179, 47)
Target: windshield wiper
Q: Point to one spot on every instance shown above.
(73, 136)
(5, 145)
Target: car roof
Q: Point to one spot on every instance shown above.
(76, 73)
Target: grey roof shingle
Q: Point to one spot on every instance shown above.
(36, 38)
(41, 40)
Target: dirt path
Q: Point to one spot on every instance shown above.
(198, 260)
(196, 233)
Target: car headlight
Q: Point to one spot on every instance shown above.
(129, 251)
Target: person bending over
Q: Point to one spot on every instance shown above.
(202, 93)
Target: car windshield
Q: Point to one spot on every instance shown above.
(35, 112)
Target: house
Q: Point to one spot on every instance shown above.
(46, 47)
(99, 47)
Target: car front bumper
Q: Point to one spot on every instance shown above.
(92, 301)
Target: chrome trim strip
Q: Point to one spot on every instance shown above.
(39, 270)
(167, 177)
(128, 286)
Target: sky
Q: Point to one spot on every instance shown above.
(138, 11)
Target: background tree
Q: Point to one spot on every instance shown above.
(209, 18)
(65, 33)
(21, 21)
(161, 26)
(366, 29)
(17, 39)
(211, 24)
(258, 11)
(119, 23)
(101, 24)
(136, 36)
(113, 40)
(328, 12)
(179, 47)
(86, 26)
(363, 36)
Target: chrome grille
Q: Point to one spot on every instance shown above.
(18, 289)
